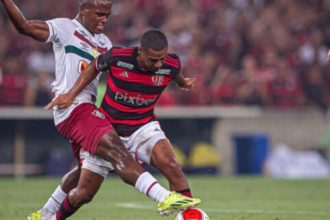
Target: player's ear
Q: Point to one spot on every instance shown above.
(82, 9)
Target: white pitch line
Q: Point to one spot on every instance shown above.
(133, 205)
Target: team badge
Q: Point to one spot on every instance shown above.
(157, 80)
(98, 114)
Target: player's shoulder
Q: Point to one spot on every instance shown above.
(172, 55)
(123, 51)
(104, 40)
(61, 30)
(173, 60)
(63, 21)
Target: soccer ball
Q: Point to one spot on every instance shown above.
(192, 214)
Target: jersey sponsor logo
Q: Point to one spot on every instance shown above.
(98, 114)
(157, 80)
(163, 72)
(134, 100)
(125, 65)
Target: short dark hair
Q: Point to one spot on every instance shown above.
(154, 39)
(84, 2)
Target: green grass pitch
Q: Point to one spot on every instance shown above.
(223, 198)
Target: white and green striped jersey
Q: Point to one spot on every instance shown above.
(74, 48)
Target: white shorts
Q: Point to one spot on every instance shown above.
(142, 141)
(94, 163)
(139, 144)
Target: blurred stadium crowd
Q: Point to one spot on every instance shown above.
(243, 52)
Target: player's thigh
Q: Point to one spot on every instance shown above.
(94, 163)
(85, 127)
(111, 147)
(142, 142)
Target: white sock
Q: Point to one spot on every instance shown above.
(147, 184)
(54, 201)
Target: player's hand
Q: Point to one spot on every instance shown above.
(60, 102)
(187, 84)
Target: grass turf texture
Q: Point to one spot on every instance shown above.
(223, 198)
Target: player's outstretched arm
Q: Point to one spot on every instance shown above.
(185, 83)
(36, 29)
(65, 100)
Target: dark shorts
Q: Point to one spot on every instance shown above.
(84, 128)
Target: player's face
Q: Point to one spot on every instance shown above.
(94, 16)
(152, 60)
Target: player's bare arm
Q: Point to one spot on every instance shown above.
(65, 100)
(329, 55)
(36, 29)
(185, 83)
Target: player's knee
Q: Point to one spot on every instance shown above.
(70, 179)
(86, 197)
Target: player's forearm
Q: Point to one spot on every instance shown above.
(35, 29)
(179, 79)
(15, 15)
(84, 79)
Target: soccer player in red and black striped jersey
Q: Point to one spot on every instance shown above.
(137, 77)
(94, 141)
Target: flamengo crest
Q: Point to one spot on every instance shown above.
(157, 80)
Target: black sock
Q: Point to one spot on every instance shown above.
(65, 210)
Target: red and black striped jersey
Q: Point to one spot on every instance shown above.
(132, 92)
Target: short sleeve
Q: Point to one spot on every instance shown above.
(59, 30)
